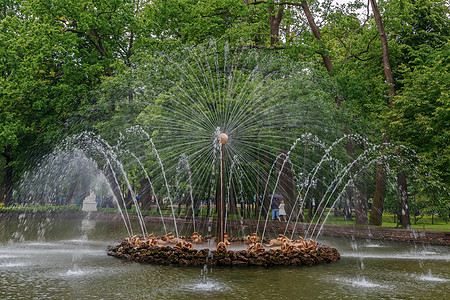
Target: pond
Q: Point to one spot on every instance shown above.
(65, 258)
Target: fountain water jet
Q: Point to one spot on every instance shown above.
(221, 106)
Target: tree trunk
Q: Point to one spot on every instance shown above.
(2, 187)
(286, 185)
(359, 198)
(360, 202)
(376, 214)
(308, 206)
(208, 206)
(189, 205)
(398, 209)
(380, 188)
(145, 194)
(232, 207)
(402, 191)
(303, 191)
(385, 48)
(320, 205)
(265, 201)
(71, 195)
(8, 176)
(275, 20)
(114, 185)
(316, 32)
(347, 211)
(180, 201)
(129, 198)
(258, 192)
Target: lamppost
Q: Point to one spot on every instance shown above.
(222, 139)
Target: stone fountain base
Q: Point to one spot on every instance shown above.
(167, 255)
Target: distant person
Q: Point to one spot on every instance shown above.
(275, 209)
(282, 211)
(62, 199)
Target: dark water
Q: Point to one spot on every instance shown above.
(65, 258)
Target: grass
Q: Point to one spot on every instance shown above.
(426, 222)
(390, 221)
(40, 208)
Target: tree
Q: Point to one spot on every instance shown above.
(380, 183)
(186, 21)
(421, 110)
(316, 32)
(54, 54)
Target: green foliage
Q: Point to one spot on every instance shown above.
(72, 65)
(421, 113)
(53, 54)
(418, 34)
(192, 22)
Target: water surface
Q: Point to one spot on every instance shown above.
(66, 259)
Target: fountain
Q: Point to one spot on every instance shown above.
(180, 154)
(215, 127)
(233, 118)
(150, 249)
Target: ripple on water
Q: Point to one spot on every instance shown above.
(393, 256)
(429, 277)
(206, 286)
(85, 272)
(12, 265)
(374, 246)
(75, 272)
(361, 282)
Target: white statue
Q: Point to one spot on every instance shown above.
(89, 203)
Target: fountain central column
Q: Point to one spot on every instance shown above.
(220, 201)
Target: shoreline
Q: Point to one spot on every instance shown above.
(432, 237)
